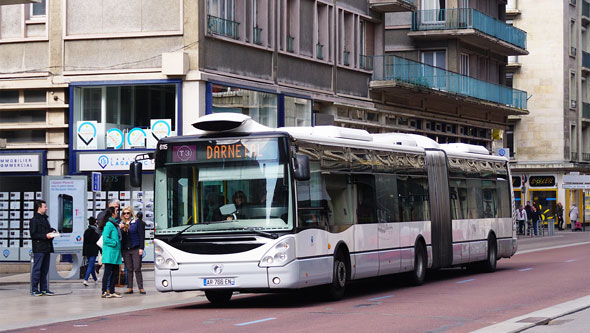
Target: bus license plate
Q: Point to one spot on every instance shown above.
(219, 282)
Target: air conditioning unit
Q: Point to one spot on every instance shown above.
(573, 104)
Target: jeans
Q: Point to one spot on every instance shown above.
(521, 226)
(40, 271)
(536, 226)
(90, 269)
(109, 279)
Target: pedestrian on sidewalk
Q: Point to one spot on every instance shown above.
(111, 252)
(559, 216)
(573, 216)
(90, 249)
(521, 217)
(133, 246)
(42, 235)
(535, 214)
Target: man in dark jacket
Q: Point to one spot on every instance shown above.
(90, 249)
(42, 236)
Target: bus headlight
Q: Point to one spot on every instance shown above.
(280, 255)
(163, 259)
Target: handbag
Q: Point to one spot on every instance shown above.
(99, 259)
(99, 242)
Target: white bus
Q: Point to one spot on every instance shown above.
(243, 207)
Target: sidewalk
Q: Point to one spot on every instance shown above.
(75, 301)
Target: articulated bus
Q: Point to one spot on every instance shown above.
(243, 207)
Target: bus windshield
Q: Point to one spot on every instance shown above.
(244, 188)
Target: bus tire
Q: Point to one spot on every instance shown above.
(340, 277)
(218, 297)
(489, 265)
(418, 275)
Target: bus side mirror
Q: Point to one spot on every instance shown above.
(135, 174)
(301, 167)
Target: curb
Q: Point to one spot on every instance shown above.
(540, 317)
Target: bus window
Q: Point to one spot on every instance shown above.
(413, 198)
(312, 200)
(339, 191)
(490, 197)
(474, 199)
(387, 198)
(365, 199)
(182, 188)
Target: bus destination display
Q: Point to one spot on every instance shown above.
(213, 151)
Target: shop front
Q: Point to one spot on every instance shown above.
(543, 194)
(110, 124)
(21, 181)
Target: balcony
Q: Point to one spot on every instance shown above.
(470, 26)
(585, 12)
(366, 62)
(585, 62)
(396, 72)
(222, 27)
(390, 6)
(586, 110)
(586, 157)
(257, 36)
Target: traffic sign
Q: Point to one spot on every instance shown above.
(96, 181)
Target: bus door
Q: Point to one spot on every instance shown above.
(440, 208)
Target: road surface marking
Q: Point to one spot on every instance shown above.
(551, 248)
(468, 280)
(571, 260)
(378, 298)
(525, 269)
(255, 321)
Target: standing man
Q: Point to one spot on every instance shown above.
(521, 217)
(573, 216)
(42, 236)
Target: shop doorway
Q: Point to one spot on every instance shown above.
(546, 201)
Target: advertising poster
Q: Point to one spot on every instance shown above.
(86, 135)
(66, 202)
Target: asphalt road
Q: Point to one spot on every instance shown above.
(453, 300)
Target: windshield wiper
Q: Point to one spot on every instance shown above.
(182, 231)
(263, 233)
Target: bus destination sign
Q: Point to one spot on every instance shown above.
(212, 151)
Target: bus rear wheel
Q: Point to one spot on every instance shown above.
(418, 275)
(218, 297)
(336, 289)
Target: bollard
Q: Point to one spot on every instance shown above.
(550, 227)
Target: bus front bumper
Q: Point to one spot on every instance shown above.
(234, 276)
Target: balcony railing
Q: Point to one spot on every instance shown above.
(290, 42)
(389, 67)
(574, 156)
(257, 36)
(222, 27)
(366, 62)
(319, 51)
(585, 59)
(467, 18)
(586, 110)
(585, 157)
(346, 58)
(585, 9)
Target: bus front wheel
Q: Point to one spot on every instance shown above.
(218, 297)
(340, 278)
(489, 265)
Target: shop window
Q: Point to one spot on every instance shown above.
(297, 111)
(8, 96)
(124, 107)
(260, 106)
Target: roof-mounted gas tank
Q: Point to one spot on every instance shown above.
(228, 122)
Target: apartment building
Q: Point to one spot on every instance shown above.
(551, 147)
(94, 83)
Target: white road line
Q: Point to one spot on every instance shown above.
(571, 260)
(255, 321)
(525, 269)
(378, 298)
(551, 247)
(468, 280)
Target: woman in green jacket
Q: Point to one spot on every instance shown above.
(111, 252)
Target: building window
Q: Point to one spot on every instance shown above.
(297, 111)
(8, 96)
(510, 140)
(38, 9)
(573, 90)
(573, 38)
(260, 106)
(221, 18)
(124, 107)
(433, 11)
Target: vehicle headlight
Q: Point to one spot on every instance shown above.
(280, 254)
(163, 259)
